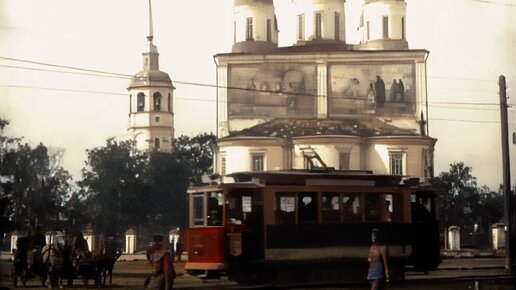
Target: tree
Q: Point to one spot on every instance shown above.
(490, 207)
(459, 195)
(169, 178)
(463, 203)
(113, 186)
(123, 187)
(38, 185)
(197, 152)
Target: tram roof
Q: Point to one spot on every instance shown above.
(321, 177)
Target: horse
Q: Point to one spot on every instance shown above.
(106, 263)
(28, 262)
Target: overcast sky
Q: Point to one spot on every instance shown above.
(471, 43)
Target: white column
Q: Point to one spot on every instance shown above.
(222, 101)
(322, 90)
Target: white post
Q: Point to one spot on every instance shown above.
(90, 240)
(454, 238)
(498, 232)
(130, 242)
(14, 238)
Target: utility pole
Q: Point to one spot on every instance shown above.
(509, 198)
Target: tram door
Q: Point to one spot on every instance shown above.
(307, 207)
(426, 242)
(245, 209)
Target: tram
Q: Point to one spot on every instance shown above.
(312, 225)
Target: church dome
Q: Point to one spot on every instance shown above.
(151, 78)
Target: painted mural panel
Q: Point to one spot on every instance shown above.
(263, 91)
(382, 89)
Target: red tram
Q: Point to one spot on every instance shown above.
(310, 225)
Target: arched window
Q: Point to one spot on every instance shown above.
(318, 25)
(157, 101)
(169, 102)
(156, 143)
(249, 29)
(140, 106)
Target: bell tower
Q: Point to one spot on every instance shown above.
(151, 117)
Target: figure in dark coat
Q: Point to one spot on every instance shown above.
(380, 92)
(401, 89)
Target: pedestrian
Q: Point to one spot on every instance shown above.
(163, 272)
(378, 273)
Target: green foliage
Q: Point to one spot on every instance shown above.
(169, 179)
(113, 185)
(463, 203)
(197, 152)
(37, 185)
(124, 188)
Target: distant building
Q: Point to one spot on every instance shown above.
(151, 117)
(359, 107)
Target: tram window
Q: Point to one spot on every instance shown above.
(307, 206)
(351, 208)
(422, 199)
(239, 207)
(395, 207)
(285, 208)
(214, 217)
(246, 204)
(198, 210)
(383, 208)
(330, 207)
(373, 207)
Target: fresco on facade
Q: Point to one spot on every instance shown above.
(371, 89)
(271, 90)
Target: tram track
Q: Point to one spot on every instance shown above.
(131, 274)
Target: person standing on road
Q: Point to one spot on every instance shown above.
(163, 272)
(378, 273)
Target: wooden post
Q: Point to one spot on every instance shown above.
(508, 196)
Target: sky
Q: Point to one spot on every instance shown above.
(471, 43)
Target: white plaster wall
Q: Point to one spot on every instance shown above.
(238, 158)
(141, 137)
(374, 12)
(329, 153)
(328, 9)
(378, 158)
(149, 99)
(165, 119)
(260, 14)
(363, 156)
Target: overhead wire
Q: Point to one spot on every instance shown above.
(460, 120)
(100, 73)
(91, 92)
(62, 66)
(495, 2)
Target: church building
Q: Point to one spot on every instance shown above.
(353, 106)
(151, 117)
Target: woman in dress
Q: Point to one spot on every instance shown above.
(378, 273)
